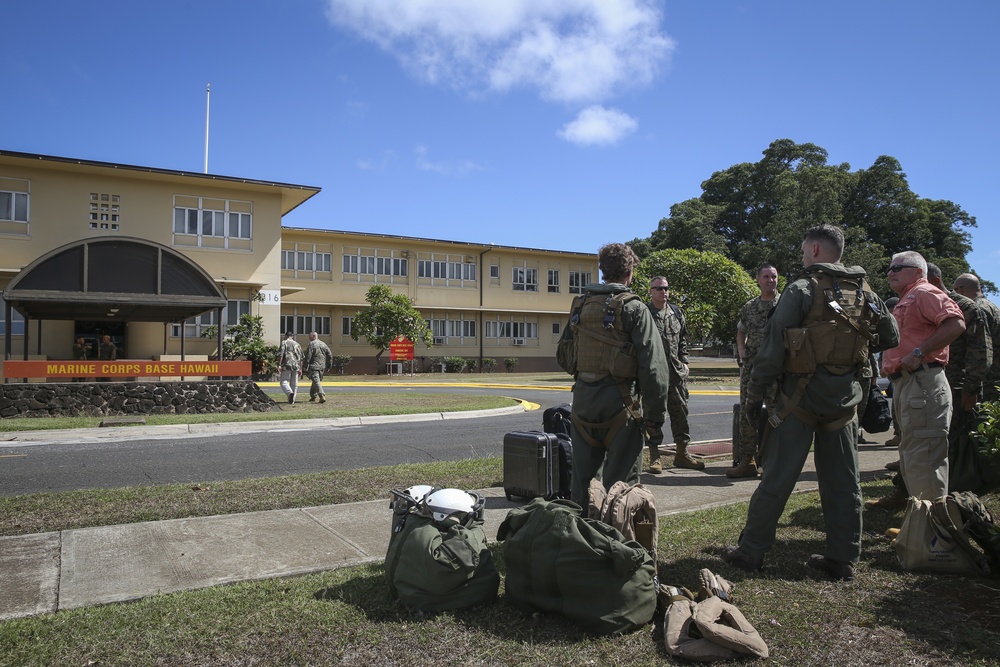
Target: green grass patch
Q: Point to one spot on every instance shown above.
(43, 512)
(340, 403)
(346, 616)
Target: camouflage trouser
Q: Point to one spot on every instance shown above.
(677, 412)
(677, 409)
(749, 436)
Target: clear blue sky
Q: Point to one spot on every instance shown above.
(558, 124)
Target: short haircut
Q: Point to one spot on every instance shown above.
(911, 258)
(766, 266)
(933, 271)
(616, 260)
(828, 236)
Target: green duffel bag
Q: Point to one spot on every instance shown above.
(435, 566)
(558, 561)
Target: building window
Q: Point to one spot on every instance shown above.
(16, 323)
(218, 218)
(445, 270)
(235, 309)
(555, 328)
(454, 329)
(578, 280)
(346, 326)
(13, 206)
(553, 280)
(378, 263)
(495, 271)
(525, 279)
(305, 324)
(196, 326)
(510, 329)
(298, 260)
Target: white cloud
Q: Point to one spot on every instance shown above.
(597, 125)
(459, 168)
(377, 164)
(578, 51)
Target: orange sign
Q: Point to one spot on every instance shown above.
(123, 368)
(401, 348)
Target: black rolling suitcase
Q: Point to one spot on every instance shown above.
(531, 465)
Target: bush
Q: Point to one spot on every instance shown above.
(454, 364)
(471, 364)
(510, 362)
(987, 438)
(340, 361)
(489, 363)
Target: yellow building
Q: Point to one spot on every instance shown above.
(57, 216)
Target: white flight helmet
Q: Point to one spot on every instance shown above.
(454, 504)
(410, 497)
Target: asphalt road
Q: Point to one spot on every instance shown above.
(195, 459)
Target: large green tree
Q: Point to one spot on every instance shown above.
(757, 212)
(388, 316)
(708, 287)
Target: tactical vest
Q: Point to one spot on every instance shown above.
(599, 346)
(837, 331)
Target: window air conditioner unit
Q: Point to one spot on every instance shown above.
(517, 341)
(439, 340)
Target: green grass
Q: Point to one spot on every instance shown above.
(346, 616)
(340, 403)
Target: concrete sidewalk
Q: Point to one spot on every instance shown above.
(46, 572)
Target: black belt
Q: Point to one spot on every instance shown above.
(930, 364)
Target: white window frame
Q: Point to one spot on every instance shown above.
(554, 280)
(207, 222)
(16, 322)
(366, 262)
(578, 280)
(10, 211)
(524, 279)
(447, 270)
(304, 324)
(453, 329)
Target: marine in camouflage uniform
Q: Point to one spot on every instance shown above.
(750, 331)
(968, 285)
(673, 332)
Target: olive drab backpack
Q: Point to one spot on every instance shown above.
(595, 346)
(836, 335)
(965, 516)
(598, 344)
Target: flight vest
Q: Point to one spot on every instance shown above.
(839, 327)
(599, 345)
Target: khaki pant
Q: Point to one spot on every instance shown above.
(922, 403)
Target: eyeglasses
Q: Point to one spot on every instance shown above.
(662, 288)
(896, 268)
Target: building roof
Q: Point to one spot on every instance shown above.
(291, 195)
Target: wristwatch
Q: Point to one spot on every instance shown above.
(918, 353)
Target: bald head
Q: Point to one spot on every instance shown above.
(968, 285)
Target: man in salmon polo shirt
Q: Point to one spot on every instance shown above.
(929, 320)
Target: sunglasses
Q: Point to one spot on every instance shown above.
(896, 268)
(662, 288)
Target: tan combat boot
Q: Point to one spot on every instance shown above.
(684, 460)
(655, 466)
(744, 469)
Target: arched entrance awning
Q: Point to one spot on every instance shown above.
(121, 279)
(113, 279)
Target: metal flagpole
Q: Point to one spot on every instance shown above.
(208, 100)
